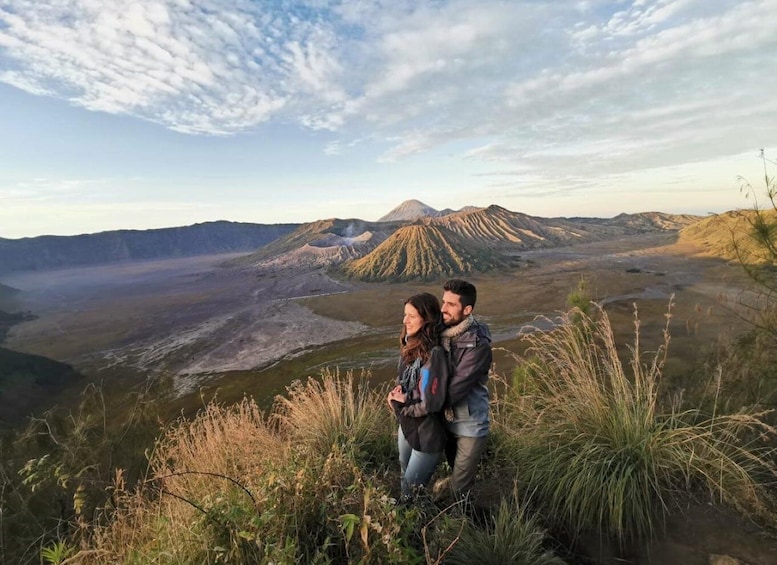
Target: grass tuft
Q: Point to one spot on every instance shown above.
(510, 537)
(598, 452)
(335, 411)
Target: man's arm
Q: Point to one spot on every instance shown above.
(472, 369)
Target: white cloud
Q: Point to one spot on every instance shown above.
(201, 66)
(562, 83)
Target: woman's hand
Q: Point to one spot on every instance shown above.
(396, 394)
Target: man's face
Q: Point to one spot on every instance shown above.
(452, 310)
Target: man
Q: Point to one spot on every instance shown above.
(468, 343)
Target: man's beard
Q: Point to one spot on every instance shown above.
(451, 321)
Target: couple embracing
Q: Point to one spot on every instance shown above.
(441, 396)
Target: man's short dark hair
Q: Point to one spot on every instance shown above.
(466, 290)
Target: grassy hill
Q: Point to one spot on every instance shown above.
(422, 252)
(26, 379)
(727, 236)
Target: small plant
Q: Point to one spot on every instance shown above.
(580, 298)
(56, 553)
(755, 247)
(510, 537)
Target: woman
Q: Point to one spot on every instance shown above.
(419, 396)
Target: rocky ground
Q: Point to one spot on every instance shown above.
(184, 317)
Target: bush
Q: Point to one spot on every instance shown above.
(597, 451)
(333, 411)
(233, 486)
(56, 473)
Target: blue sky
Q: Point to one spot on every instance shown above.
(141, 114)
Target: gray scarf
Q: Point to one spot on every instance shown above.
(455, 331)
(409, 378)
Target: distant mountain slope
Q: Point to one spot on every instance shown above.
(655, 220)
(472, 239)
(49, 252)
(716, 236)
(422, 252)
(498, 227)
(7, 292)
(409, 210)
(321, 243)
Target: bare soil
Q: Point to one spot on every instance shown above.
(182, 317)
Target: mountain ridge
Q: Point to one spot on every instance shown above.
(489, 238)
(334, 241)
(51, 252)
(421, 252)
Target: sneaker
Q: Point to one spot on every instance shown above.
(441, 488)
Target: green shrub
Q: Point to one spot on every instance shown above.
(597, 451)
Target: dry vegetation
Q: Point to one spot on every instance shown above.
(727, 236)
(581, 435)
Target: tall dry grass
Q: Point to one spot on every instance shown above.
(597, 451)
(335, 410)
(237, 486)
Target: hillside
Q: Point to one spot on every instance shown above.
(472, 239)
(25, 380)
(6, 294)
(422, 252)
(51, 252)
(654, 220)
(720, 235)
(498, 227)
(320, 243)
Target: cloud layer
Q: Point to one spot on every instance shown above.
(527, 86)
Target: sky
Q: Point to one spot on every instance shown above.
(121, 114)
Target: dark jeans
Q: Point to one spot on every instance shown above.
(463, 454)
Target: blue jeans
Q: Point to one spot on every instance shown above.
(417, 467)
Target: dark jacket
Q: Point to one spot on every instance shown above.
(421, 417)
(471, 359)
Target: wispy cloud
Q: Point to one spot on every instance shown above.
(542, 80)
(18, 192)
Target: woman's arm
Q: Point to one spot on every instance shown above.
(433, 385)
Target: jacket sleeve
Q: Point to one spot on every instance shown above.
(472, 369)
(433, 386)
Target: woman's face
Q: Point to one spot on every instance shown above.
(413, 321)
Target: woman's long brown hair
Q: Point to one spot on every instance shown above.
(420, 344)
